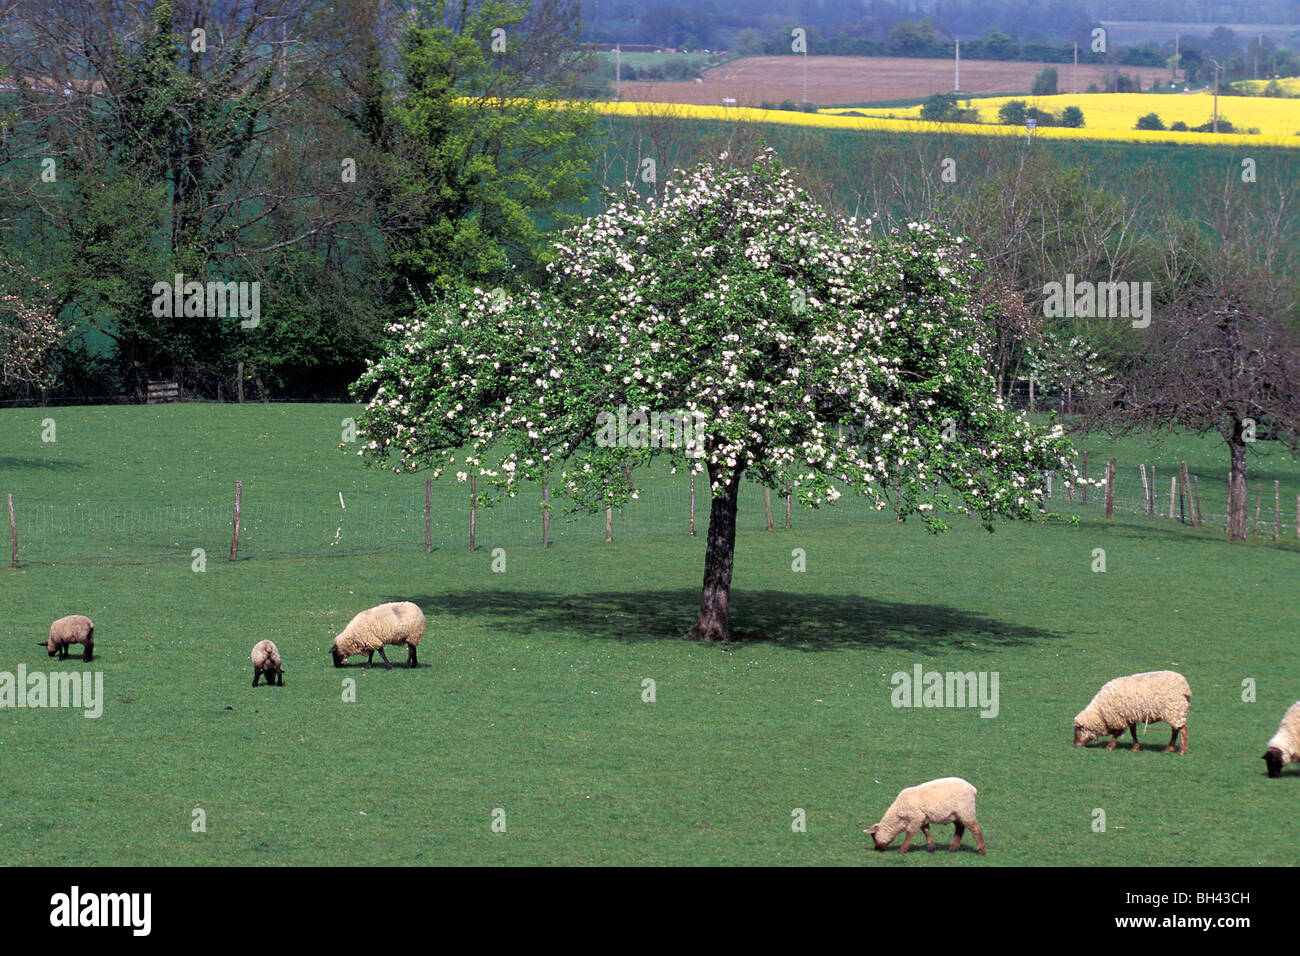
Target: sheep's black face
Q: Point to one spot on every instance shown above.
(1273, 758)
(338, 658)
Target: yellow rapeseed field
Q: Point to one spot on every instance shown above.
(1290, 85)
(1113, 115)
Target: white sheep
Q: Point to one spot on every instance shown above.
(266, 662)
(398, 623)
(73, 629)
(1136, 699)
(1284, 747)
(946, 800)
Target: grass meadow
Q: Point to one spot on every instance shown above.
(529, 697)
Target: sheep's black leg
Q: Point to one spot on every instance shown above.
(88, 653)
(1133, 729)
(371, 659)
(929, 840)
(410, 660)
(387, 666)
(956, 839)
(256, 675)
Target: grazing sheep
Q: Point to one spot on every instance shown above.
(398, 623)
(1284, 747)
(1126, 702)
(946, 800)
(266, 661)
(73, 629)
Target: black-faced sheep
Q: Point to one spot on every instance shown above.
(397, 623)
(266, 662)
(73, 629)
(1284, 747)
(1125, 702)
(946, 800)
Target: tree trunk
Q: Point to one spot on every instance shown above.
(1237, 504)
(719, 558)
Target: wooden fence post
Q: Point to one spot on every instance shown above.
(1187, 493)
(428, 513)
(609, 522)
(239, 382)
(546, 514)
(13, 534)
(1297, 516)
(1173, 491)
(767, 506)
(1277, 508)
(1110, 489)
(473, 510)
(234, 537)
(787, 506)
(1146, 491)
(1050, 473)
(1196, 496)
(1083, 494)
(1255, 528)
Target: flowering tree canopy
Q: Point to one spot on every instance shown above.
(29, 330)
(801, 351)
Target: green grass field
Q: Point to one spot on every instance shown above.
(529, 697)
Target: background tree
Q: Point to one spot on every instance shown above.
(806, 354)
(29, 330)
(467, 165)
(1214, 361)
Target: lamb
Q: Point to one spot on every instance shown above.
(1284, 747)
(946, 800)
(73, 629)
(1137, 699)
(266, 662)
(398, 622)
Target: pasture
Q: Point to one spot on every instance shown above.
(529, 698)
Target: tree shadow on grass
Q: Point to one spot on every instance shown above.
(804, 622)
(8, 461)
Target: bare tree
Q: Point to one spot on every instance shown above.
(1213, 361)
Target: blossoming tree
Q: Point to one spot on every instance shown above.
(29, 330)
(808, 355)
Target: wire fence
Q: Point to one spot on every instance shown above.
(55, 532)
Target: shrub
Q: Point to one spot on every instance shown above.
(1178, 126)
(1150, 121)
(1072, 117)
(1012, 113)
(1045, 82)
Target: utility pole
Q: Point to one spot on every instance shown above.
(805, 74)
(1075, 81)
(956, 78)
(1216, 94)
(618, 71)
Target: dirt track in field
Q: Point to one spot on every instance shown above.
(856, 79)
